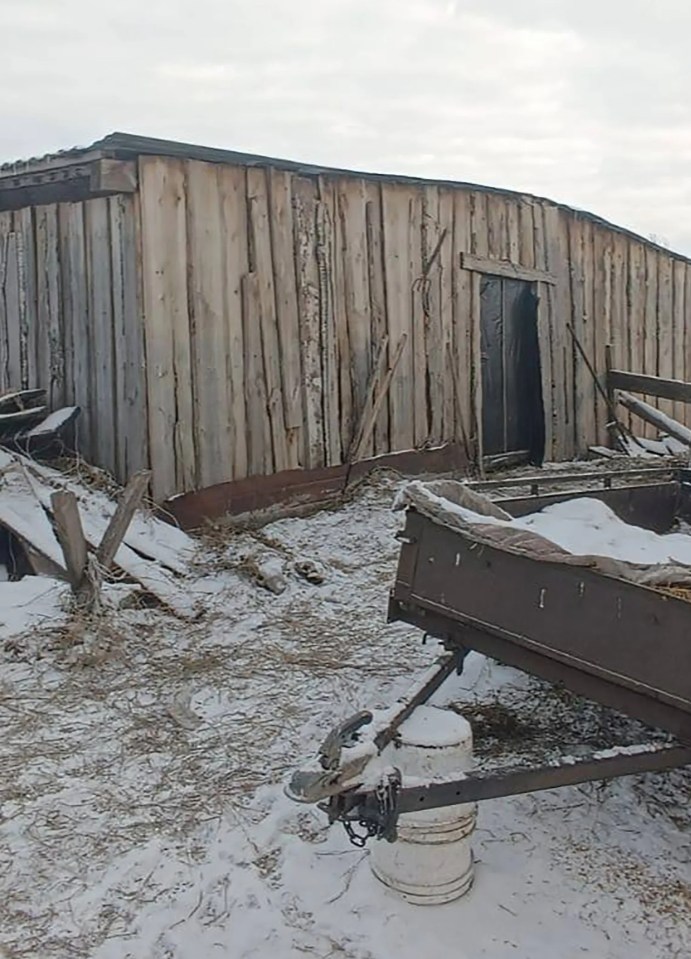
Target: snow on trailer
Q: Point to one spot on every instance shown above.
(142, 810)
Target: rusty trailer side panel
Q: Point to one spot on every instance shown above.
(621, 644)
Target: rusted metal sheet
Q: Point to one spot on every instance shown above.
(191, 510)
(618, 643)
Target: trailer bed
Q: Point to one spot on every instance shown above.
(625, 645)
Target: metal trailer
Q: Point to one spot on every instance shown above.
(621, 644)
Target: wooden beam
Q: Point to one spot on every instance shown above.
(656, 418)
(649, 385)
(482, 264)
(121, 518)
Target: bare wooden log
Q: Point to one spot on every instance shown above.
(121, 518)
(656, 418)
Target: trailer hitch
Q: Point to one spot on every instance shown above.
(374, 811)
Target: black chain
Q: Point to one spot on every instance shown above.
(378, 815)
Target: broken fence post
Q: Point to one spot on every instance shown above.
(70, 534)
(121, 518)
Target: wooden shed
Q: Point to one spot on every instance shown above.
(219, 316)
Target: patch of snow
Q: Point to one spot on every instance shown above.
(53, 421)
(433, 727)
(588, 527)
(141, 795)
(31, 603)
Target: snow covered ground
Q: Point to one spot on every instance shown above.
(142, 766)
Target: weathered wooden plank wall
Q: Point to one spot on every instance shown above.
(283, 288)
(231, 321)
(70, 321)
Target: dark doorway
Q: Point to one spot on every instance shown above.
(513, 418)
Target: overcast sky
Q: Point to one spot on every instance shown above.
(583, 101)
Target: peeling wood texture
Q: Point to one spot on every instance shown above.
(216, 322)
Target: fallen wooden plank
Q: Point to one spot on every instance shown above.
(153, 577)
(151, 537)
(22, 514)
(54, 422)
(656, 418)
(22, 400)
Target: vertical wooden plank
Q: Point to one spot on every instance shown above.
(601, 321)
(345, 416)
(539, 240)
(687, 337)
(463, 230)
(262, 264)
(377, 304)
(635, 312)
(513, 231)
(558, 334)
(260, 460)
(166, 324)
(307, 269)
(448, 266)
(621, 334)
(283, 256)
(651, 330)
(10, 310)
(207, 325)
(582, 383)
(498, 238)
(24, 227)
(5, 320)
(50, 335)
(396, 223)
(415, 285)
(589, 336)
(435, 355)
(99, 281)
(66, 307)
(352, 203)
(665, 341)
(326, 229)
(679, 316)
(479, 229)
(132, 454)
(526, 240)
(544, 329)
(235, 265)
(564, 314)
(79, 371)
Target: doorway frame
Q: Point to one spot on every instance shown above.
(543, 281)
